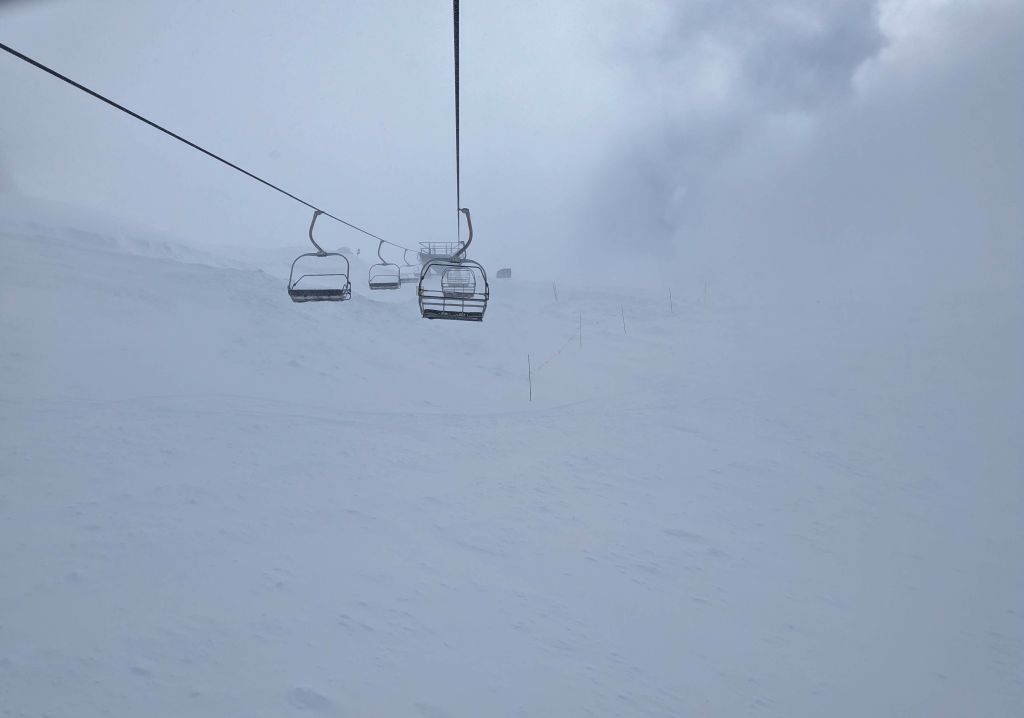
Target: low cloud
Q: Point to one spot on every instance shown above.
(728, 138)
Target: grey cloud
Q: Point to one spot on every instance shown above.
(910, 189)
(793, 54)
(715, 71)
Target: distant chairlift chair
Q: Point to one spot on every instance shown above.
(455, 287)
(409, 272)
(384, 275)
(438, 250)
(319, 286)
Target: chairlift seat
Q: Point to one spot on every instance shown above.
(385, 276)
(338, 288)
(333, 294)
(455, 314)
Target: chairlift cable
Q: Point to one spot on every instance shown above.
(458, 168)
(194, 146)
(454, 287)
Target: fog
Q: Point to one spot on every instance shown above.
(759, 454)
(748, 145)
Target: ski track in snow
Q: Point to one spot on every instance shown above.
(214, 502)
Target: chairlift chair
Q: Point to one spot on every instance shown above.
(455, 287)
(384, 275)
(439, 250)
(409, 272)
(319, 286)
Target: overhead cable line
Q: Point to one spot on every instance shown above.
(458, 168)
(191, 144)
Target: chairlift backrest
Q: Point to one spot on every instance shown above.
(458, 282)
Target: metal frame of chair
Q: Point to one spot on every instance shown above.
(384, 275)
(319, 294)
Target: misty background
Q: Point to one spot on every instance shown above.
(792, 489)
(792, 147)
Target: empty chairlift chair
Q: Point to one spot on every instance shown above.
(320, 274)
(438, 250)
(409, 272)
(454, 288)
(384, 275)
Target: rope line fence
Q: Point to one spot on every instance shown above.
(577, 336)
(554, 356)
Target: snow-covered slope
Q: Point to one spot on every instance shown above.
(214, 502)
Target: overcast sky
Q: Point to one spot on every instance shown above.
(730, 140)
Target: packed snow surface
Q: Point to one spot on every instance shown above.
(214, 502)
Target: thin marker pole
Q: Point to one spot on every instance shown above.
(671, 306)
(623, 319)
(554, 288)
(529, 374)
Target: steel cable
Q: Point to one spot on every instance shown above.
(193, 145)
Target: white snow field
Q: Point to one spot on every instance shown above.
(214, 502)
